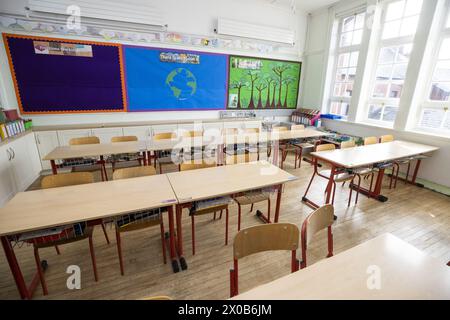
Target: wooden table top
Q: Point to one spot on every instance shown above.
(374, 153)
(224, 180)
(405, 273)
(33, 210)
(94, 150)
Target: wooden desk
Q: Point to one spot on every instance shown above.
(95, 150)
(369, 155)
(40, 209)
(405, 273)
(219, 181)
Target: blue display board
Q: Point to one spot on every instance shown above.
(166, 79)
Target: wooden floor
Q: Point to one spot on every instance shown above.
(416, 215)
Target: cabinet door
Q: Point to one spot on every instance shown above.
(24, 155)
(252, 124)
(105, 134)
(64, 136)
(233, 124)
(7, 185)
(46, 141)
(141, 132)
(212, 129)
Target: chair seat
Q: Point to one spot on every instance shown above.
(210, 205)
(126, 164)
(362, 171)
(68, 238)
(252, 198)
(139, 220)
(304, 145)
(420, 157)
(87, 168)
(341, 177)
(403, 160)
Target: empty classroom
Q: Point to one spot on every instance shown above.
(225, 150)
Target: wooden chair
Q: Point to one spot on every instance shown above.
(240, 158)
(340, 176)
(208, 210)
(279, 128)
(125, 160)
(193, 165)
(76, 232)
(194, 152)
(130, 222)
(294, 146)
(320, 219)
(192, 134)
(386, 138)
(99, 165)
(165, 157)
(370, 140)
(267, 237)
(360, 173)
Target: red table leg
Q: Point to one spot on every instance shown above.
(144, 157)
(175, 266)
(376, 193)
(15, 269)
(54, 168)
(179, 236)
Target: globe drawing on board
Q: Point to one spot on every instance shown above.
(182, 83)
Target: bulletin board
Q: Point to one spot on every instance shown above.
(259, 83)
(65, 76)
(168, 80)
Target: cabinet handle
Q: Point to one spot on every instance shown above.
(13, 153)
(38, 140)
(9, 154)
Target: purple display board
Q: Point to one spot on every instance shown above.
(66, 76)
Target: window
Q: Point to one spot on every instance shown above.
(435, 114)
(399, 25)
(348, 40)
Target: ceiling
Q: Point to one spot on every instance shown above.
(306, 5)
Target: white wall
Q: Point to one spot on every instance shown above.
(193, 17)
(436, 169)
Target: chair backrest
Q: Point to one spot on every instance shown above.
(274, 236)
(279, 128)
(66, 179)
(164, 135)
(386, 138)
(325, 147)
(251, 130)
(192, 134)
(298, 127)
(84, 140)
(318, 220)
(370, 140)
(230, 131)
(133, 172)
(241, 158)
(348, 144)
(192, 165)
(124, 139)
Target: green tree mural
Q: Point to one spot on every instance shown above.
(259, 83)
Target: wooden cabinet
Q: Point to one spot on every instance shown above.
(141, 132)
(20, 166)
(46, 141)
(7, 184)
(64, 136)
(105, 134)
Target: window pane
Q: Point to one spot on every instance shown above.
(395, 10)
(343, 60)
(399, 72)
(444, 52)
(447, 23)
(351, 74)
(380, 90)
(357, 36)
(334, 107)
(404, 53)
(341, 74)
(387, 55)
(344, 108)
(353, 59)
(446, 124)
(337, 89)
(409, 26)
(359, 23)
(375, 112)
(413, 7)
(432, 118)
(348, 90)
(395, 90)
(440, 91)
(442, 71)
(391, 29)
(384, 72)
(389, 113)
(346, 39)
(348, 24)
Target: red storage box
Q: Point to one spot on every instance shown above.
(12, 114)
